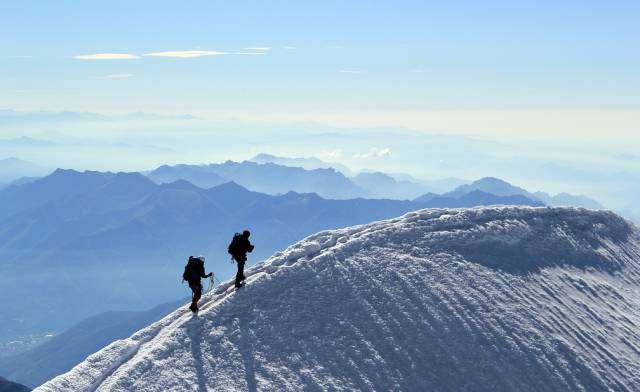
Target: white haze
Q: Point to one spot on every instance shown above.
(139, 142)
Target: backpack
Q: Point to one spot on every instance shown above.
(192, 269)
(235, 247)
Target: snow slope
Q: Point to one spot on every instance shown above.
(485, 299)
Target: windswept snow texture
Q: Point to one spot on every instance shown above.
(485, 299)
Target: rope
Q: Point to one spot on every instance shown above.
(211, 283)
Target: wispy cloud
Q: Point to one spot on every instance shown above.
(173, 53)
(374, 152)
(352, 71)
(332, 154)
(185, 53)
(255, 50)
(118, 76)
(106, 56)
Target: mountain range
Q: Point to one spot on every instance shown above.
(376, 184)
(261, 174)
(267, 178)
(277, 175)
(119, 240)
(501, 188)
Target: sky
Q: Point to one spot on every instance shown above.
(418, 64)
(545, 94)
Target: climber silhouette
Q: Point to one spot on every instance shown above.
(238, 249)
(193, 272)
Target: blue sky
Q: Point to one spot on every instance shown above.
(400, 55)
(497, 69)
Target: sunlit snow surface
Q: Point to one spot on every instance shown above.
(486, 299)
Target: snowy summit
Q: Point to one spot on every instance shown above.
(485, 299)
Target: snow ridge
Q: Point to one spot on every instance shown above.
(494, 298)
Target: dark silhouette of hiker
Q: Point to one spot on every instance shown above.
(238, 249)
(193, 272)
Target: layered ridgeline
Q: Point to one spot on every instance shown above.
(119, 241)
(486, 299)
(9, 386)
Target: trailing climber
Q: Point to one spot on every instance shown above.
(238, 249)
(193, 272)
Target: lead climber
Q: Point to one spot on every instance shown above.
(193, 272)
(238, 249)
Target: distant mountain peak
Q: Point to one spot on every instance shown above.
(262, 156)
(231, 185)
(13, 168)
(13, 160)
(567, 199)
(60, 172)
(492, 180)
(308, 163)
(491, 185)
